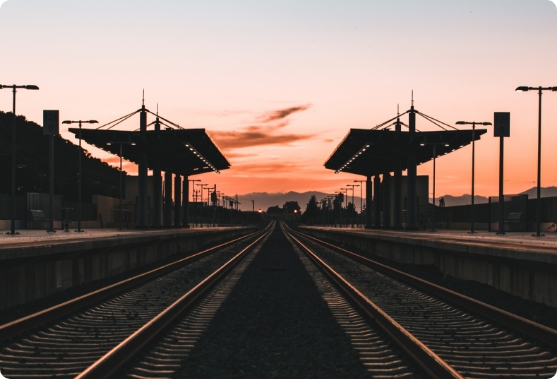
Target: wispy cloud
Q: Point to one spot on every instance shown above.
(259, 135)
(282, 113)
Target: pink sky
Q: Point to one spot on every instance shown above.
(278, 84)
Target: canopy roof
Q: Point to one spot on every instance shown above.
(373, 152)
(180, 151)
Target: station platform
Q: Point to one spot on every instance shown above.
(515, 262)
(515, 241)
(35, 264)
(36, 242)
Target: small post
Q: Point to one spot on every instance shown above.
(51, 126)
(501, 129)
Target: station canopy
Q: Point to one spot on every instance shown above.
(175, 149)
(379, 151)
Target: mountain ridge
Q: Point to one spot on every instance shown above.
(264, 200)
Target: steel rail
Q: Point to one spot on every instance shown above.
(124, 351)
(24, 324)
(434, 365)
(533, 329)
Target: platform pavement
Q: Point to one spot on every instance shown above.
(28, 237)
(523, 241)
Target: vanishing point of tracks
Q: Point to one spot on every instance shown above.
(400, 326)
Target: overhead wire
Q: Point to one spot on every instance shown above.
(123, 118)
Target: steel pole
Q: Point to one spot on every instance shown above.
(434, 210)
(538, 202)
(120, 186)
(13, 168)
(51, 185)
(79, 185)
(473, 152)
(501, 197)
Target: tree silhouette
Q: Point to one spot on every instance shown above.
(32, 157)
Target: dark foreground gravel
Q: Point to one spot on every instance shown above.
(274, 324)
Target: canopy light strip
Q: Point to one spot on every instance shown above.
(353, 158)
(202, 158)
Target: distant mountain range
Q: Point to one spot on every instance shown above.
(265, 200)
(467, 199)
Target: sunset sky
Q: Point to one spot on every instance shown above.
(278, 84)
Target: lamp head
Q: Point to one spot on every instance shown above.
(486, 123)
(93, 122)
(522, 89)
(31, 87)
(554, 88)
(461, 123)
(66, 122)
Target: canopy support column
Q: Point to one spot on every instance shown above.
(142, 172)
(186, 202)
(397, 193)
(386, 199)
(377, 202)
(157, 195)
(177, 201)
(368, 202)
(167, 199)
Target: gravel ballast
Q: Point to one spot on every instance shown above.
(274, 324)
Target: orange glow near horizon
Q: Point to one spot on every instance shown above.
(278, 85)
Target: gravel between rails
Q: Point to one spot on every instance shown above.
(532, 310)
(474, 346)
(274, 324)
(66, 347)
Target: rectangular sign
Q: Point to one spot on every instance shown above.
(51, 123)
(502, 124)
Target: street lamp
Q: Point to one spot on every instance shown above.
(79, 163)
(352, 185)
(361, 197)
(14, 87)
(192, 194)
(201, 201)
(342, 191)
(120, 143)
(540, 90)
(434, 144)
(473, 123)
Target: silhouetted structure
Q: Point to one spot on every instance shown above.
(174, 150)
(380, 151)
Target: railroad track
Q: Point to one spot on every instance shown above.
(449, 335)
(93, 335)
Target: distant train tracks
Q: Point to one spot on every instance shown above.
(449, 335)
(93, 335)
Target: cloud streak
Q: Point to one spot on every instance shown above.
(282, 113)
(261, 135)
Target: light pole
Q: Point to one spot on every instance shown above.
(353, 185)
(540, 90)
(192, 194)
(434, 144)
(473, 123)
(12, 208)
(79, 179)
(120, 143)
(342, 191)
(361, 198)
(201, 201)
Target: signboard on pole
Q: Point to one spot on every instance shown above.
(51, 123)
(502, 124)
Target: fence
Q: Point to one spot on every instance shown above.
(519, 213)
